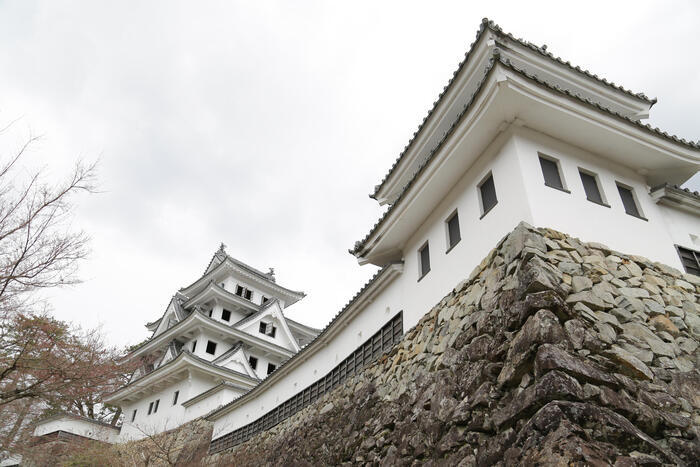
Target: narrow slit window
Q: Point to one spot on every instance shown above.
(453, 233)
(150, 408)
(253, 362)
(690, 260)
(590, 186)
(226, 315)
(487, 191)
(175, 396)
(550, 171)
(133, 415)
(194, 346)
(211, 347)
(628, 201)
(155, 407)
(424, 259)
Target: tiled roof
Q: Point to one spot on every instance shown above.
(678, 189)
(497, 59)
(542, 50)
(228, 353)
(303, 351)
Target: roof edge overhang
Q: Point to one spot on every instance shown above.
(366, 296)
(184, 361)
(527, 55)
(209, 392)
(228, 264)
(195, 320)
(215, 291)
(677, 198)
(509, 95)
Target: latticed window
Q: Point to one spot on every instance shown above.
(690, 259)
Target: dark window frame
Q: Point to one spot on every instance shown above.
(194, 346)
(596, 182)
(682, 250)
(253, 362)
(239, 290)
(155, 407)
(133, 416)
(422, 272)
(175, 397)
(271, 367)
(638, 213)
(226, 314)
(150, 408)
(448, 226)
(210, 344)
(482, 201)
(557, 168)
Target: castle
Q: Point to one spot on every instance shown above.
(516, 135)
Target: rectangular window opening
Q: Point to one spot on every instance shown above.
(629, 201)
(551, 174)
(453, 233)
(194, 346)
(590, 186)
(226, 315)
(155, 407)
(248, 294)
(424, 260)
(211, 347)
(690, 260)
(271, 367)
(177, 394)
(253, 362)
(133, 415)
(239, 290)
(150, 408)
(487, 194)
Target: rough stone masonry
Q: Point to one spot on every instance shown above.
(554, 351)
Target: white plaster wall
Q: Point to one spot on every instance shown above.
(575, 215)
(201, 349)
(479, 236)
(168, 416)
(368, 321)
(683, 227)
(210, 403)
(78, 427)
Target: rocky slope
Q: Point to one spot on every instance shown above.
(553, 351)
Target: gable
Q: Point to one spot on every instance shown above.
(271, 314)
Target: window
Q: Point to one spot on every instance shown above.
(211, 312)
(550, 171)
(271, 367)
(628, 201)
(211, 347)
(264, 300)
(150, 408)
(424, 260)
(226, 315)
(453, 234)
(133, 415)
(243, 292)
(268, 329)
(690, 260)
(177, 394)
(194, 346)
(487, 194)
(155, 407)
(590, 186)
(253, 362)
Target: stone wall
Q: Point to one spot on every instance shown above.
(553, 351)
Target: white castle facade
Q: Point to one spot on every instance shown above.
(517, 135)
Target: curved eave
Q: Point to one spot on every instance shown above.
(214, 291)
(171, 372)
(197, 320)
(230, 265)
(508, 94)
(364, 297)
(636, 104)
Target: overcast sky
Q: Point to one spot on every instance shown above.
(264, 125)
